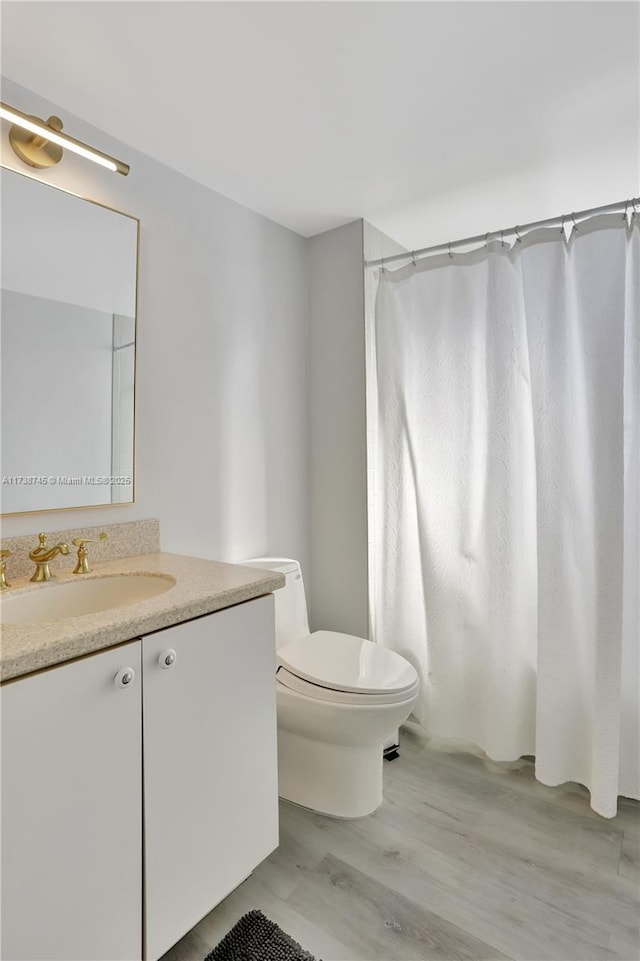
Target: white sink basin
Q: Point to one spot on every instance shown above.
(53, 602)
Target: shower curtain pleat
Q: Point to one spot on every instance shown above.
(629, 701)
(507, 498)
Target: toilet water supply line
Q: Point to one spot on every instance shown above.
(628, 209)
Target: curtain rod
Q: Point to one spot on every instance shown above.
(622, 207)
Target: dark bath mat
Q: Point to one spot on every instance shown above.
(256, 938)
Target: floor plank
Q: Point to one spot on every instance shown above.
(505, 809)
(629, 866)
(466, 859)
(623, 950)
(375, 921)
(190, 947)
(508, 903)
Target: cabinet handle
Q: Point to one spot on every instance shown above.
(167, 659)
(124, 677)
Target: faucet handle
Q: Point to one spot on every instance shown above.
(81, 541)
(5, 552)
(82, 567)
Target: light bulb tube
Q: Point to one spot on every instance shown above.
(40, 129)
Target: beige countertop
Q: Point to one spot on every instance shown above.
(201, 587)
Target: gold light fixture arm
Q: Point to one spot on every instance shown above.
(40, 144)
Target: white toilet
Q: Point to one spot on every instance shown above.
(338, 697)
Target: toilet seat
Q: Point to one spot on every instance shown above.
(317, 692)
(347, 669)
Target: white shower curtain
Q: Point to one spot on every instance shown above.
(507, 498)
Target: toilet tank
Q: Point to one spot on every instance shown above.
(292, 621)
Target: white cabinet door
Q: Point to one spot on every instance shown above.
(210, 764)
(71, 812)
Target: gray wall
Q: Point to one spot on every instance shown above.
(337, 443)
(222, 359)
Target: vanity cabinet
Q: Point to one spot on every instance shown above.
(210, 764)
(71, 813)
(181, 749)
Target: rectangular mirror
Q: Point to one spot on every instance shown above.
(67, 342)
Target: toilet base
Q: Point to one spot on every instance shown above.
(340, 780)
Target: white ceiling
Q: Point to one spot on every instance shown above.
(317, 113)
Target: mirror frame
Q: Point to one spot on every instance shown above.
(116, 210)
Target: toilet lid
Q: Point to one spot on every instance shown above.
(318, 692)
(342, 662)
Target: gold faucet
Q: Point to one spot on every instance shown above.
(3, 580)
(82, 567)
(41, 555)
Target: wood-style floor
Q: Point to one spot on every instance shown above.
(466, 859)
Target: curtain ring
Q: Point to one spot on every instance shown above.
(518, 237)
(629, 214)
(564, 217)
(382, 265)
(413, 258)
(450, 251)
(575, 223)
(502, 238)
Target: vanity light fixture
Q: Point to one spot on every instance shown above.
(40, 143)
